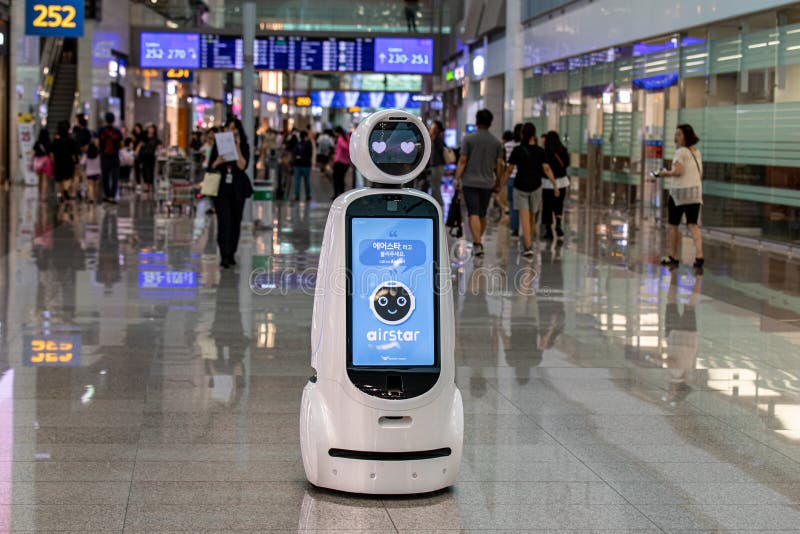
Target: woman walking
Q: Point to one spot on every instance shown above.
(685, 195)
(43, 162)
(234, 189)
(64, 152)
(557, 157)
(147, 153)
(436, 164)
(341, 161)
(138, 136)
(529, 161)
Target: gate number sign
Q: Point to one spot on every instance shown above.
(54, 18)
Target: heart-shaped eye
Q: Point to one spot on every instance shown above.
(378, 147)
(407, 147)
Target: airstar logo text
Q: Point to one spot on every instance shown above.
(392, 335)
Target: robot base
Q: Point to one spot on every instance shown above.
(348, 446)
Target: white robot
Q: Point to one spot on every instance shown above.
(382, 413)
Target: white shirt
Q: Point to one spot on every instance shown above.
(688, 187)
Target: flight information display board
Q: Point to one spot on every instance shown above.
(169, 50)
(358, 54)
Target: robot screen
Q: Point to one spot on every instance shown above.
(392, 292)
(396, 148)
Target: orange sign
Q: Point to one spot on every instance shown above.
(302, 101)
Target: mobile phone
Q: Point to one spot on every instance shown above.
(655, 174)
(393, 339)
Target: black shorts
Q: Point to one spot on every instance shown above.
(675, 213)
(477, 200)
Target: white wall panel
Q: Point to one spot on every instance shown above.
(605, 23)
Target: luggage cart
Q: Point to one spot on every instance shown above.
(175, 189)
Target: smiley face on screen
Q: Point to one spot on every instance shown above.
(392, 302)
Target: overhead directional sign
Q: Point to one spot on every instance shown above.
(169, 50)
(178, 75)
(408, 55)
(54, 18)
(402, 54)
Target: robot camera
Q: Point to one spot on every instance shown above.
(390, 147)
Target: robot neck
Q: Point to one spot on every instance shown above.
(376, 185)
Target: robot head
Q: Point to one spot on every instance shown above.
(390, 147)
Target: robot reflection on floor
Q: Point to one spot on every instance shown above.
(382, 414)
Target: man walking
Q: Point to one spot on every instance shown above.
(478, 174)
(110, 143)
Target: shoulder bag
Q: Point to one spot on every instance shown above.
(211, 182)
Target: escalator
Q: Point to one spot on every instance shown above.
(60, 83)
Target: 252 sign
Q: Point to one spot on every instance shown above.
(54, 18)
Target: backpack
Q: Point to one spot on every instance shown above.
(303, 152)
(110, 141)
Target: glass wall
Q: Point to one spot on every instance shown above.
(737, 84)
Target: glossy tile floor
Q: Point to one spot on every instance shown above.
(602, 393)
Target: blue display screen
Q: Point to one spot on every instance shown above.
(404, 54)
(169, 50)
(392, 305)
(408, 55)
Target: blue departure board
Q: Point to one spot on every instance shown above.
(169, 50)
(356, 54)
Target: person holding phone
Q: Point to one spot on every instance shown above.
(685, 195)
(234, 189)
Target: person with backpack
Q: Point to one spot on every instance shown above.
(529, 159)
(110, 143)
(303, 154)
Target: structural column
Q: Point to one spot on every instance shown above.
(513, 112)
(248, 70)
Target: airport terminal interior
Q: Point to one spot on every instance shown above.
(595, 251)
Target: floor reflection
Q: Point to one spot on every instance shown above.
(600, 389)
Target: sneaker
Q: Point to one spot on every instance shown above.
(477, 250)
(559, 231)
(698, 263)
(669, 261)
(528, 253)
(548, 235)
(514, 233)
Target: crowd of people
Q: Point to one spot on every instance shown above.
(532, 172)
(83, 163)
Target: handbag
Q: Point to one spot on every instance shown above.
(453, 222)
(211, 182)
(43, 165)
